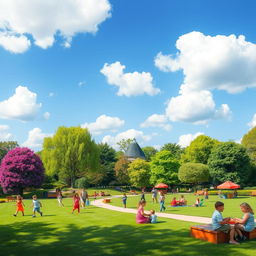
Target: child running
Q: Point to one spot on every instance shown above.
(124, 199)
(162, 199)
(19, 205)
(59, 197)
(36, 204)
(76, 200)
(247, 223)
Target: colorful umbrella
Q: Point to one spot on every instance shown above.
(228, 185)
(161, 185)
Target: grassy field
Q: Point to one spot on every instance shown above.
(100, 232)
(232, 208)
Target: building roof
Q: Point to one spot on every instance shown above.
(134, 151)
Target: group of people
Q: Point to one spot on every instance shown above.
(233, 226)
(36, 204)
(181, 202)
(143, 217)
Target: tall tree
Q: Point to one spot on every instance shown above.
(229, 161)
(194, 173)
(6, 146)
(21, 168)
(139, 173)
(149, 152)
(121, 169)
(124, 144)
(164, 168)
(249, 142)
(199, 150)
(174, 148)
(70, 154)
(107, 163)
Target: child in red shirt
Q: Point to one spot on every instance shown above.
(19, 205)
(76, 206)
(174, 202)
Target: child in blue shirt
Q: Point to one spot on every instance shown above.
(36, 206)
(153, 217)
(124, 199)
(221, 224)
(247, 223)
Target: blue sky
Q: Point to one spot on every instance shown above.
(66, 78)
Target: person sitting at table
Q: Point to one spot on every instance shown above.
(182, 201)
(235, 193)
(174, 202)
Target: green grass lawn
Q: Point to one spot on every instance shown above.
(100, 232)
(232, 208)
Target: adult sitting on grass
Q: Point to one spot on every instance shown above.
(141, 216)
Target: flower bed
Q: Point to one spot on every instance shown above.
(240, 192)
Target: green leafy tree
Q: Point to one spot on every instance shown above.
(229, 161)
(194, 173)
(3, 152)
(164, 168)
(174, 148)
(70, 154)
(6, 146)
(124, 144)
(249, 142)
(139, 173)
(107, 163)
(199, 150)
(149, 152)
(121, 170)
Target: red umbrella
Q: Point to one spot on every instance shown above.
(228, 185)
(161, 185)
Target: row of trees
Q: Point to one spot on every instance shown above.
(71, 157)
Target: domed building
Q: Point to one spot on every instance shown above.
(134, 151)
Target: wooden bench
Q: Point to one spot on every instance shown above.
(52, 195)
(199, 193)
(253, 193)
(106, 201)
(10, 199)
(206, 233)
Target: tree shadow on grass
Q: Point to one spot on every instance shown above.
(44, 239)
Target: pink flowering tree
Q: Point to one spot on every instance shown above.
(21, 168)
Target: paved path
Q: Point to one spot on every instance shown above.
(196, 219)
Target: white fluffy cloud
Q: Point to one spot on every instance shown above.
(14, 43)
(195, 107)
(47, 115)
(21, 106)
(44, 19)
(212, 62)
(253, 121)
(129, 134)
(208, 63)
(35, 138)
(186, 139)
(129, 84)
(4, 132)
(156, 120)
(104, 123)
